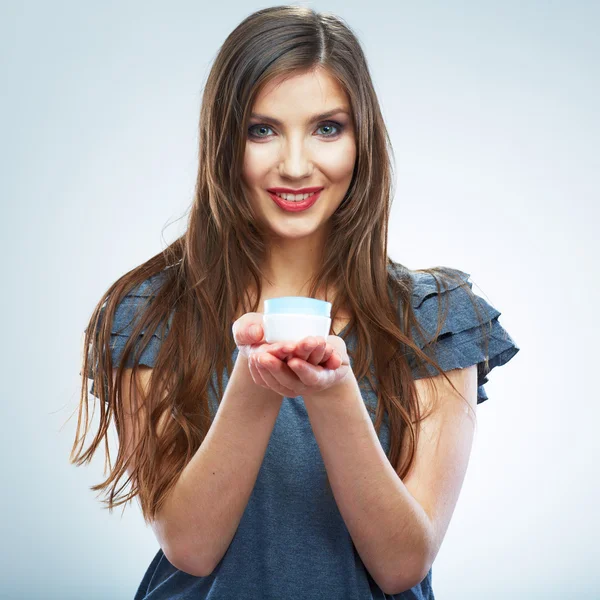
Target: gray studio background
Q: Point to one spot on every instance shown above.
(493, 112)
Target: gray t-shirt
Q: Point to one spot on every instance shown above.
(292, 542)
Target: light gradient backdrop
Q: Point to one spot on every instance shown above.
(492, 108)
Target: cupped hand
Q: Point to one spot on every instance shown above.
(291, 368)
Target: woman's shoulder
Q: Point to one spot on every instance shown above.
(470, 330)
(150, 286)
(128, 312)
(448, 291)
(133, 304)
(422, 283)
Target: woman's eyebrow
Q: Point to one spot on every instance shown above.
(320, 117)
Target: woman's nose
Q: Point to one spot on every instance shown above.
(296, 161)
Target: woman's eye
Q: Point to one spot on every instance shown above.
(338, 127)
(253, 127)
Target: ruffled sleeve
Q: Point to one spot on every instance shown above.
(461, 341)
(126, 318)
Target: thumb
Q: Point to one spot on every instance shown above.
(255, 333)
(247, 331)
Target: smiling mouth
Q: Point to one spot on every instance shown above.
(294, 197)
(304, 202)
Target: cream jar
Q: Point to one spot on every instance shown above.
(292, 318)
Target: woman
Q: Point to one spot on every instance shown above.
(290, 470)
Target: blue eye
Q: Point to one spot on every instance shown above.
(338, 126)
(253, 135)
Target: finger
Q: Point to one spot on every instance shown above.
(249, 335)
(273, 367)
(329, 350)
(266, 369)
(256, 373)
(305, 347)
(305, 372)
(319, 354)
(316, 356)
(314, 377)
(282, 350)
(333, 362)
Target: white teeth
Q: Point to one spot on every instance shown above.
(293, 197)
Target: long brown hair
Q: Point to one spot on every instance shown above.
(207, 272)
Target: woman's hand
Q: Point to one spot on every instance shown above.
(298, 376)
(291, 369)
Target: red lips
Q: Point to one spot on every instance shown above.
(282, 190)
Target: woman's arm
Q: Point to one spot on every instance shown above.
(204, 509)
(389, 528)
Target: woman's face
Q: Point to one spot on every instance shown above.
(287, 146)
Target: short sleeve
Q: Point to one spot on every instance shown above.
(461, 341)
(126, 317)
